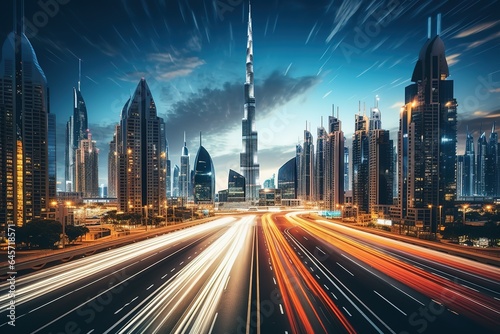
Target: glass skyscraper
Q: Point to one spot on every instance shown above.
(204, 178)
(24, 134)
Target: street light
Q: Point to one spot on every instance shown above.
(464, 208)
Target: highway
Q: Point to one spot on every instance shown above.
(260, 273)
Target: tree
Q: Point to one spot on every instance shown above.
(74, 232)
(40, 233)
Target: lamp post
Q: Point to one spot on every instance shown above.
(430, 216)
(440, 218)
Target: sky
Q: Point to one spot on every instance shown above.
(308, 56)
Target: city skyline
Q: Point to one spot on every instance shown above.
(201, 58)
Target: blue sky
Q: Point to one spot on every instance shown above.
(308, 55)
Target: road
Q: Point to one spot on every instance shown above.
(259, 273)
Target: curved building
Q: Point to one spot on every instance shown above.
(287, 179)
(24, 110)
(204, 178)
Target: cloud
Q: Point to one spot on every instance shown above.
(397, 105)
(476, 29)
(452, 59)
(483, 41)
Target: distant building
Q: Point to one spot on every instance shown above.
(86, 167)
(184, 174)
(204, 177)
(319, 164)
(113, 167)
(270, 183)
(347, 184)
(236, 187)
(306, 170)
(175, 182)
(287, 179)
(269, 197)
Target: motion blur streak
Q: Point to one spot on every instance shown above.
(50, 280)
(295, 280)
(475, 305)
(212, 267)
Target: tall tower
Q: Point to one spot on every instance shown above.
(306, 171)
(430, 117)
(142, 157)
(468, 167)
(24, 109)
(184, 173)
(334, 165)
(248, 158)
(76, 130)
(319, 163)
(380, 165)
(360, 163)
(113, 166)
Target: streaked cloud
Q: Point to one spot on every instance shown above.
(476, 29)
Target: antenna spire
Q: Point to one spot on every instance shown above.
(438, 28)
(429, 27)
(200, 138)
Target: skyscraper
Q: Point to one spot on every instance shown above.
(482, 148)
(52, 149)
(76, 130)
(429, 124)
(236, 187)
(360, 163)
(184, 173)
(175, 181)
(86, 167)
(306, 171)
(491, 164)
(319, 163)
(248, 158)
(380, 165)
(334, 165)
(347, 185)
(204, 177)
(24, 106)
(468, 168)
(113, 166)
(142, 157)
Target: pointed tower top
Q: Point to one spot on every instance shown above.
(185, 138)
(438, 27)
(429, 27)
(200, 138)
(19, 17)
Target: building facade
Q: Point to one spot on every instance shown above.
(142, 157)
(360, 164)
(427, 138)
(184, 174)
(334, 165)
(87, 167)
(204, 178)
(287, 179)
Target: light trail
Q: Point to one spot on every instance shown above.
(474, 305)
(213, 267)
(33, 286)
(294, 281)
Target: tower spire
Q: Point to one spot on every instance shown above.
(79, 73)
(19, 17)
(249, 65)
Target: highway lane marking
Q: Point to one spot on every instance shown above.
(249, 305)
(318, 276)
(341, 266)
(305, 238)
(149, 287)
(281, 309)
(446, 278)
(397, 308)
(381, 278)
(453, 311)
(320, 250)
(334, 295)
(274, 281)
(147, 257)
(127, 304)
(189, 257)
(90, 331)
(172, 270)
(213, 323)
(347, 311)
(164, 276)
(496, 298)
(227, 282)
(311, 268)
(326, 286)
(180, 264)
(469, 287)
